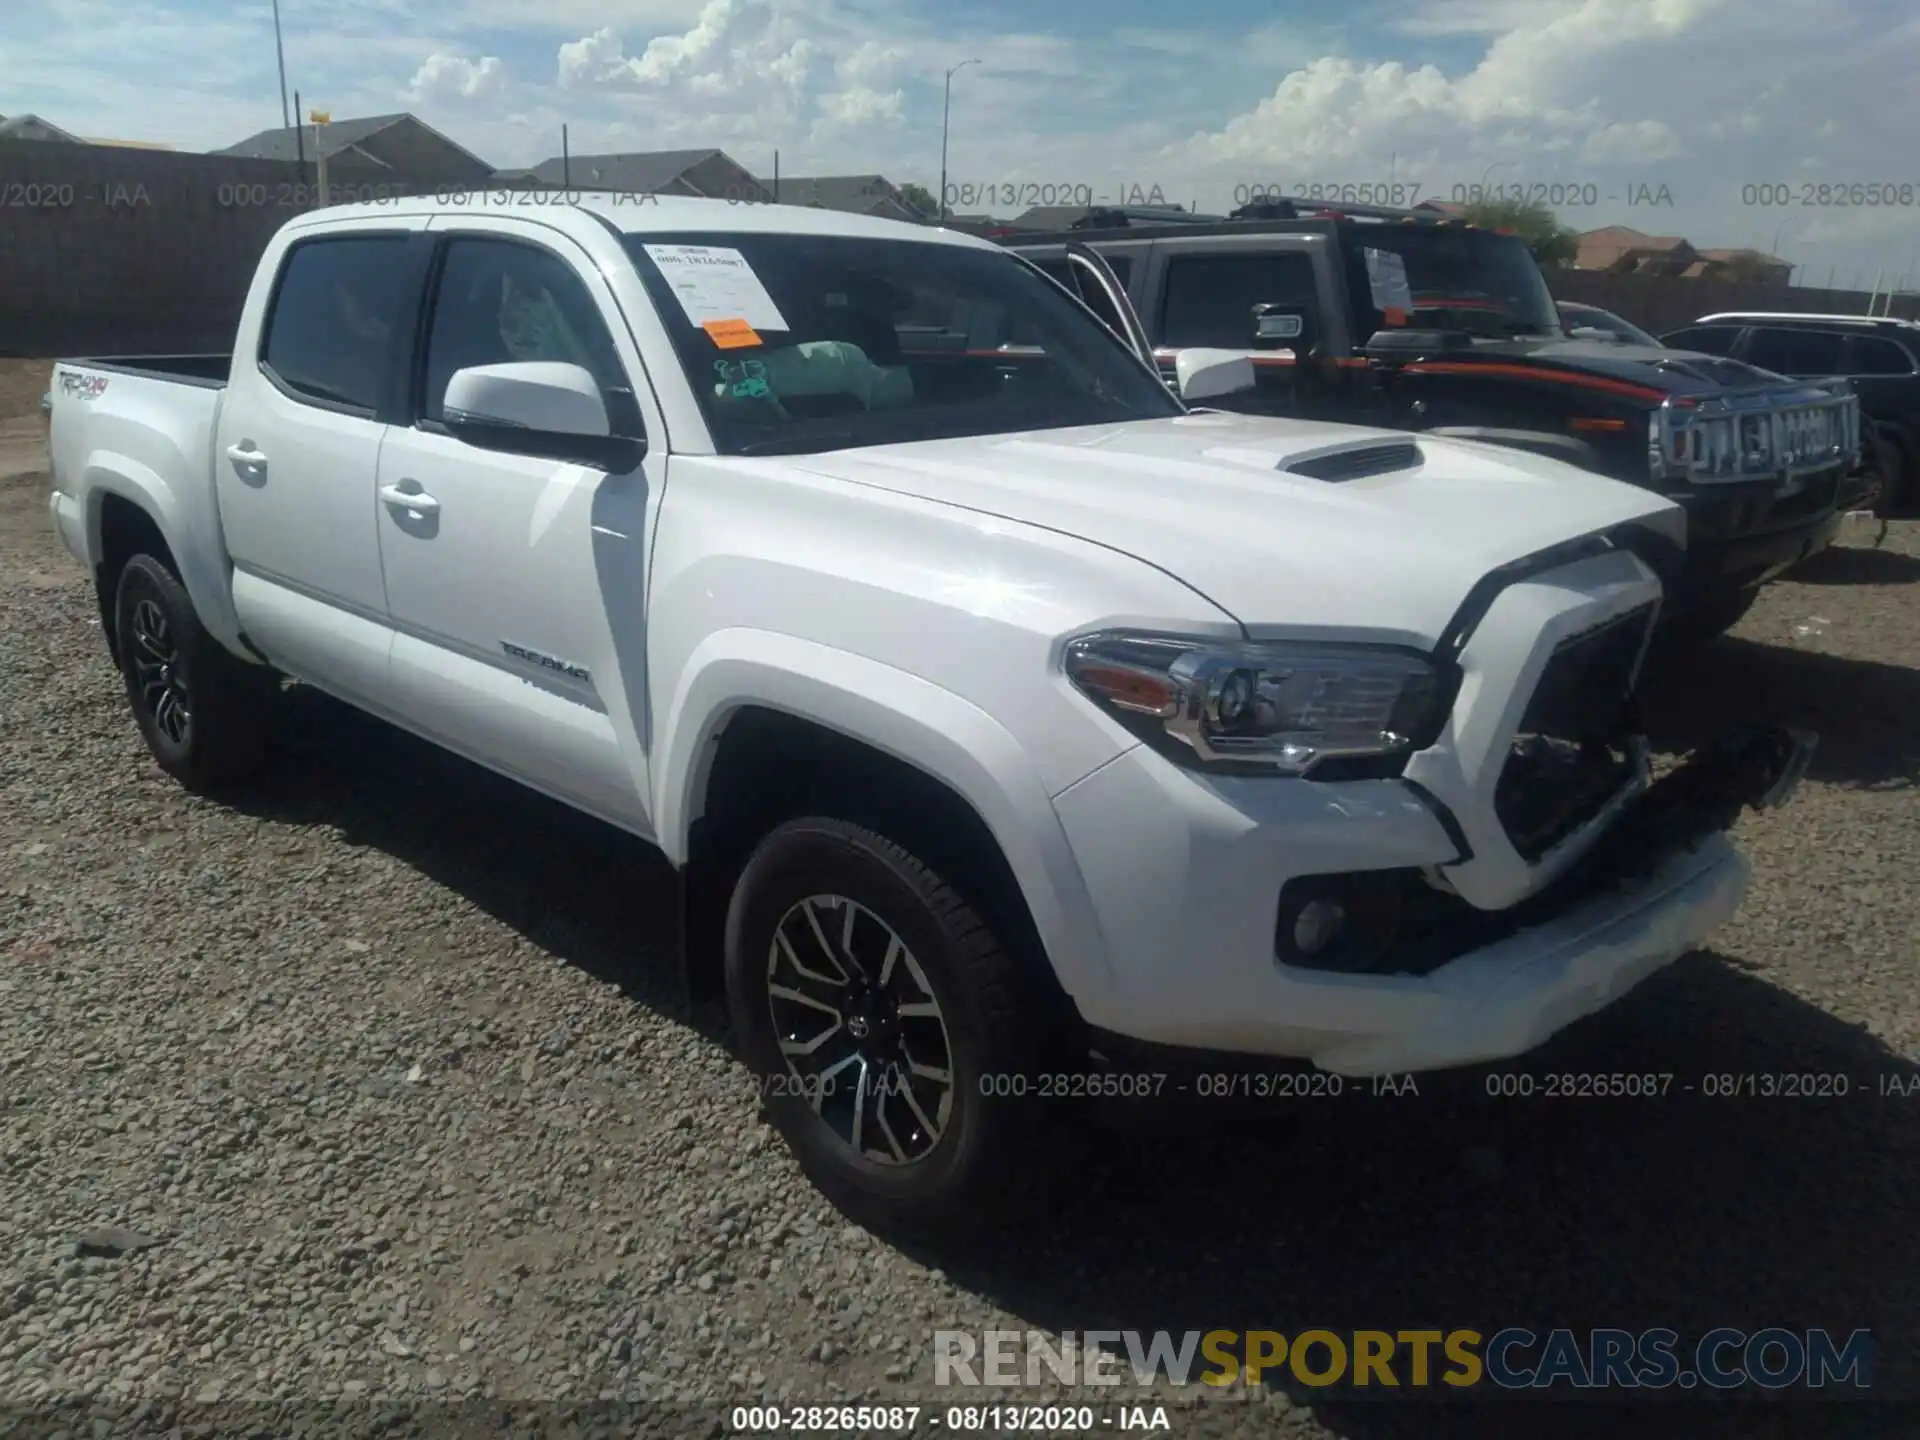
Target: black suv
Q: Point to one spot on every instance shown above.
(1414, 321)
(1879, 354)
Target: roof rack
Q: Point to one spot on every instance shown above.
(1301, 207)
(1120, 217)
(1277, 210)
(1762, 316)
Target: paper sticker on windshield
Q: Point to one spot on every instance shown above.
(731, 334)
(713, 282)
(1387, 280)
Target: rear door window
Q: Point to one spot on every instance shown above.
(1796, 352)
(331, 332)
(1708, 339)
(1210, 298)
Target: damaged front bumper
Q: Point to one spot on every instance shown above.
(1468, 985)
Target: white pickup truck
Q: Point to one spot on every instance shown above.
(1007, 719)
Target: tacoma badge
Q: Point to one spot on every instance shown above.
(547, 662)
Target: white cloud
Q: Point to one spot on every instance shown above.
(733, 46)
(1703, 96)
(1615, 96)
(858, 106)
(596, 61)
(452, 77)
(872, 64)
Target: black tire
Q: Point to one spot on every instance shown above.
(1708, 620)
(1886, 462)
(1902, 488)
(991, 1024)
(203, 713)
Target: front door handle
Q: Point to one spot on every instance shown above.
(417, 501)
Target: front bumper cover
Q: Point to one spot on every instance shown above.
(1663, 879)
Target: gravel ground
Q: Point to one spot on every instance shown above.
(389, 1059)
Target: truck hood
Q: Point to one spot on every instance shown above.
(1209, 499)
(1656, 368)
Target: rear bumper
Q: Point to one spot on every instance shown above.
(69, 523)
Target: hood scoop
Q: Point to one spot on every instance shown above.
(1714, 370)
(1338, 463)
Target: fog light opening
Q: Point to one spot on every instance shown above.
(1340, 922)
(1317, 925)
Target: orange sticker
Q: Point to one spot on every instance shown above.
(1395, 315)
(730, 334)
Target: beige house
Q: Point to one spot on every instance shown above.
(1622, 250)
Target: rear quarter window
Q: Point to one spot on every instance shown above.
(1872, 355)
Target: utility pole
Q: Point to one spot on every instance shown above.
(946, 112)
(280, 54)
(319, 118)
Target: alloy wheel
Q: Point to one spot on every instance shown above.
(861, 1029)
(156, 667)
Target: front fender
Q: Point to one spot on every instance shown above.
(937, 732)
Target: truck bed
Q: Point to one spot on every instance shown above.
(209, 371)
(141, 428)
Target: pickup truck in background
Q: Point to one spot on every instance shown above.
(1419, 322)
(1000, 713)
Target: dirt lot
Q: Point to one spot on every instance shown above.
(390, 1059)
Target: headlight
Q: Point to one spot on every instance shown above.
(1281, 706)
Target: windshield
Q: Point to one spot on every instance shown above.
(1607, 323)
(1446, 278)
(802, 343)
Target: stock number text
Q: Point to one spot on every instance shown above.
(1381, 192)
(256, 196)
(1881, 194)
(861, 1419)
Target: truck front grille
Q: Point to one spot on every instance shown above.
(1572, 754)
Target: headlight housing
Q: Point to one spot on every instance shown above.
(1278, 706)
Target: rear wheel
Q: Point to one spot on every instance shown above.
(886, 1024)
(202, 712)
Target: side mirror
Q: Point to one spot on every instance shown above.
(1287, 327)
(1201, 374)
(537, 407)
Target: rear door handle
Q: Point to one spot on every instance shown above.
(245, 456)
(417, 501)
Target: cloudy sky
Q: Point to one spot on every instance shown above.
(1693, 117)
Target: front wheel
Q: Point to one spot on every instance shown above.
(1708, 620)
(202, 712)
(883, 1019)
(1890, 469)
